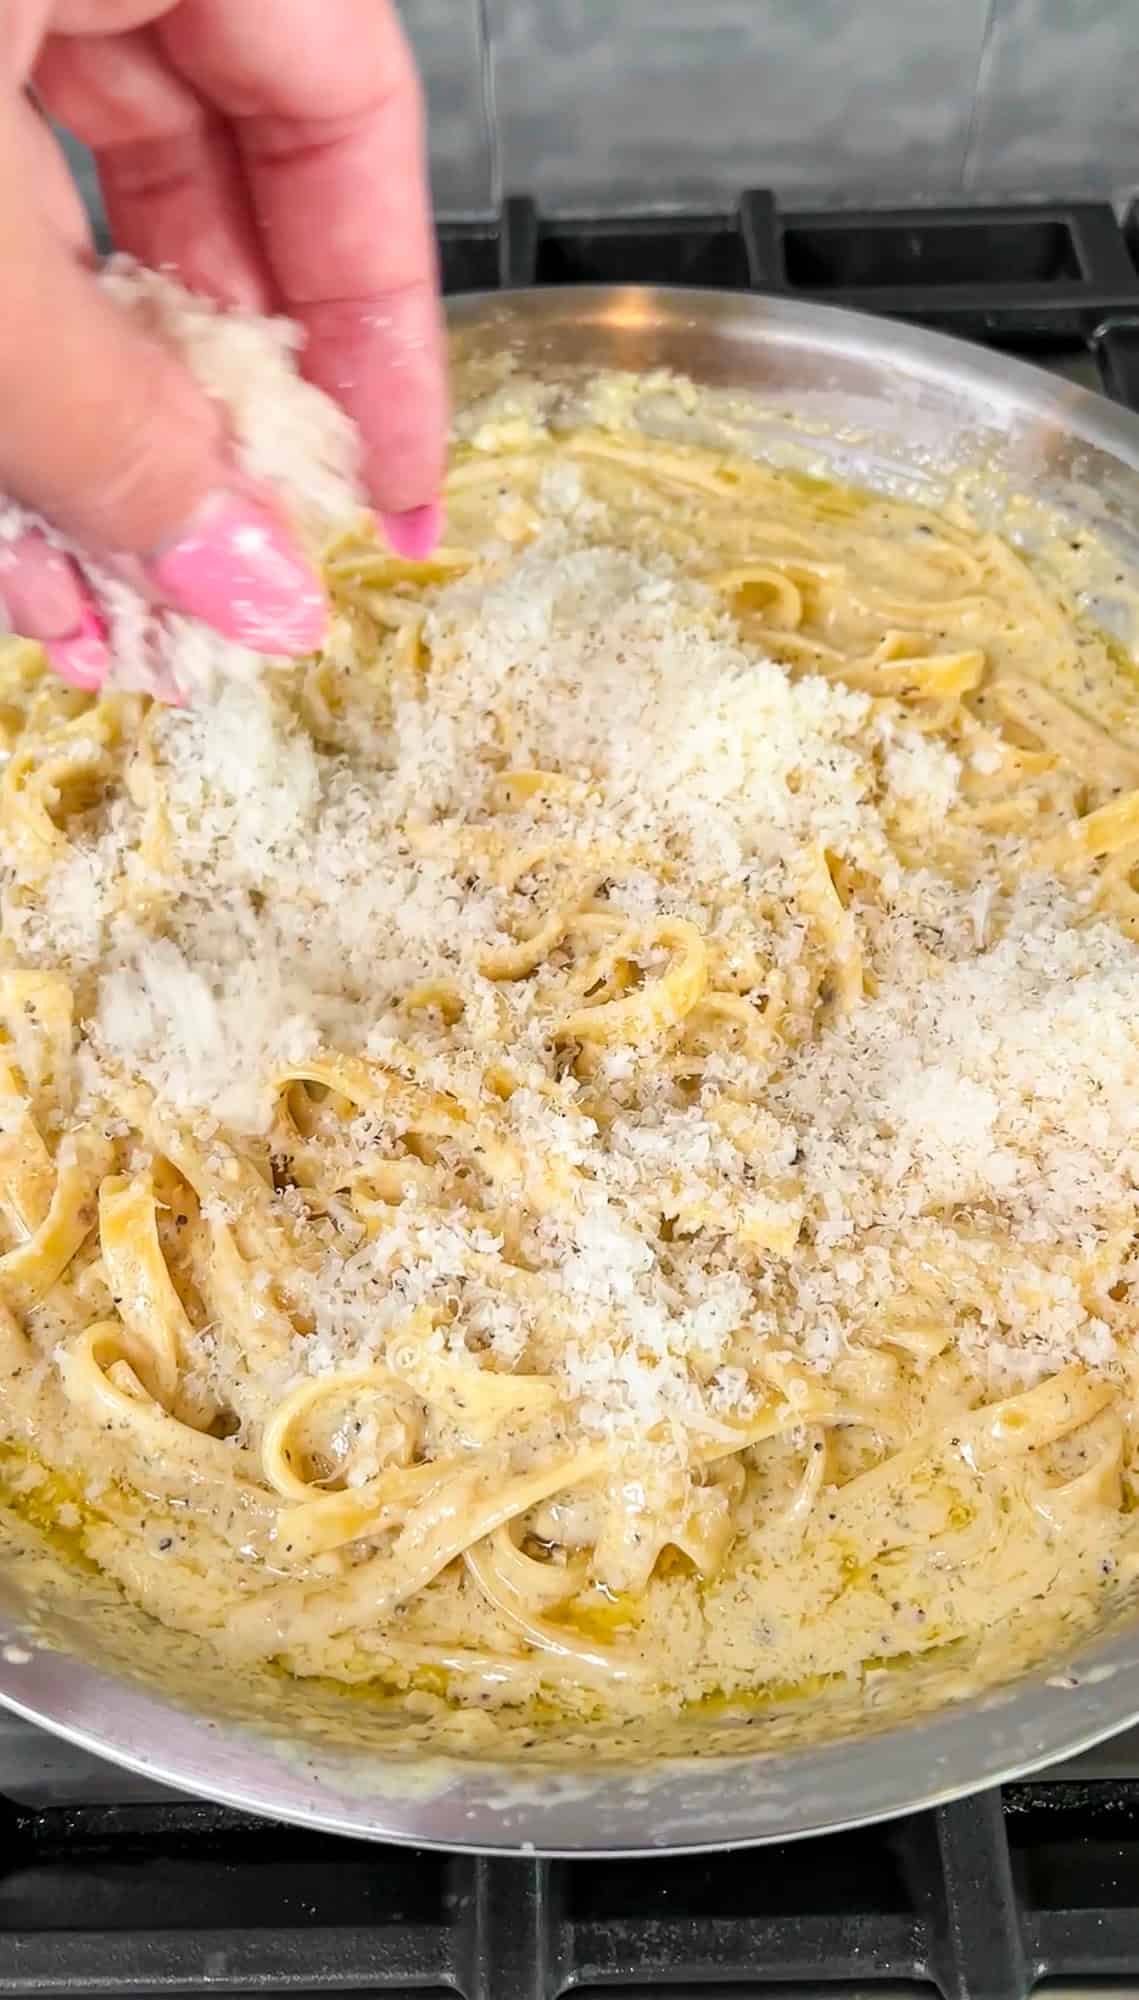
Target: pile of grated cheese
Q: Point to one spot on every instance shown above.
(992, 1081)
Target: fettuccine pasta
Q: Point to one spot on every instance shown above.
(577, 1149)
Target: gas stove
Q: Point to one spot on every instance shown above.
(109, 1885)
(1057, 283)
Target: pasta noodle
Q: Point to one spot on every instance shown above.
(580, 1143)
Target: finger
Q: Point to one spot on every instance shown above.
(172, 184)
(43, 597)
(41, 590)
(328, 117)
(103, 17)
(48, 181)
(103, 432)
(25, 22)
(107, 435)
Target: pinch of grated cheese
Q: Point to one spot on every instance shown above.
(287, 435)
(301, 912)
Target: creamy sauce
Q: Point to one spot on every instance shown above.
(337, 1373)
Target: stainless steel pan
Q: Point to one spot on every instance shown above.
(877, 403)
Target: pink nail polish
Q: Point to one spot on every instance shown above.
(413, 535)
(82, 659)
(236, 568)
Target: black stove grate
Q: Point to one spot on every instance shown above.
(979, 1900)
(1034, 277)
(976, 1901)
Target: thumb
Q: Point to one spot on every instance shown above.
(108, 436)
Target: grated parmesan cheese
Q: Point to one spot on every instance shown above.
(960, 1122)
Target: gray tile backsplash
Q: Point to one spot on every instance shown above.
(602, 104)
(607, 102)
(1058, 104)
(654, 103)
(448, 39)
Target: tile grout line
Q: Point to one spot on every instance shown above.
(980, 82)
(489, 89)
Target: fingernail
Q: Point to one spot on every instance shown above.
(238, 570)
(82, 658)
(413, 535)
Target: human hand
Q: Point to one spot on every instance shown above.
(272, 155)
